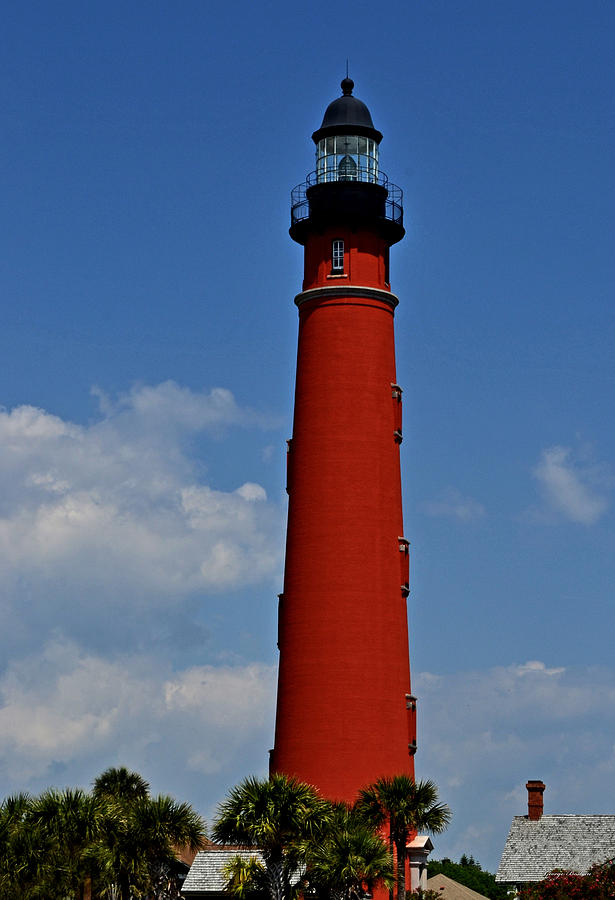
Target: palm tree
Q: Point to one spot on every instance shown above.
(139, 834)
(246, 877)
(349, 859)
(118, 790)
(140, 840)
(22, 852)
(67, 825)
(408, 806)
(162, 825)
(71, 844)
(120, 785)
(274, 815)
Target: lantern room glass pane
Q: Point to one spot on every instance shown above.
(347, 157)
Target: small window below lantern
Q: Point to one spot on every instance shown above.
(337, 256)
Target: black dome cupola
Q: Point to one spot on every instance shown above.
(347, 115)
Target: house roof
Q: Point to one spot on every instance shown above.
(421, 842)
(206, 873)
(452, 890)
(185, 855)
(575, 843)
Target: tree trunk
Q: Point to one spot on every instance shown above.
(391, 850)
(124, 881)
(275, 880)
(401, 870)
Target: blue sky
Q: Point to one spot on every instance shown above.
(148, 345)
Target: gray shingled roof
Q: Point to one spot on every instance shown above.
(535, 848)
(205, 874)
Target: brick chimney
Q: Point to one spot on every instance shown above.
(535, 790)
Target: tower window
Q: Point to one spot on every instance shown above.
(337, 256)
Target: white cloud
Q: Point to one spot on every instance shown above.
(571, 489)
(65, 706)
(452, 504)
(102, 520)
(224, 696)
(251, 491)
(171, 404)
(483, 734)
(120, 566)
(534, 666)
(268, 452)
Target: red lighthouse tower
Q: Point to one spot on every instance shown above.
(345, 712)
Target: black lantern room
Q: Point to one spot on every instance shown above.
(347, 185)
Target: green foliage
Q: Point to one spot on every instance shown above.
(468, 872)
(270, 813)
(278, 815)
(120, 842)
(66, 823)
(23, 850)
(120, 785)
(349, 858)
(309, 845)
(117, 840)
(598, 884)
(407, 806)
(246, 878)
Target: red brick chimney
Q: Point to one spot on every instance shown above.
(535, 790)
